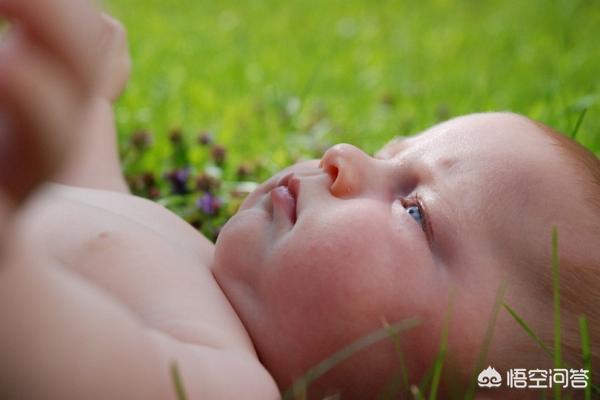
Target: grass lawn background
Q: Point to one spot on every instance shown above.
(276, 81)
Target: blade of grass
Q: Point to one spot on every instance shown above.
(399, 383)
(437, 369)
(310, 84)
(342, 355)
(582, 325)
(556, 296)
(299, 391)
(393, 389)
(426, 379)
(470, 394)
(441, 357)
(585, 343)
(176, 377)
(578, 123)
(527, 329)
(316, 71)
(586, 353)
(3, 26)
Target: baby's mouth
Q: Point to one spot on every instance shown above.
(285, 196)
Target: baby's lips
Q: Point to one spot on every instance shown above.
(285, 179)
(282, 198)
(293, 186)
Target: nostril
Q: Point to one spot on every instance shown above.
(342, 163)
(332, 171)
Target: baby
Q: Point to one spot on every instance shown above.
(101, 292)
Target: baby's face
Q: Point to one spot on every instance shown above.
(386, 238)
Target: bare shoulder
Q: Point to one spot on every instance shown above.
(57, 204)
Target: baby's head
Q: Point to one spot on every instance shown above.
(462, 208)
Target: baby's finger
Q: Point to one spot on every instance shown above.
(114, 63)
(41, 101)
(68, 28)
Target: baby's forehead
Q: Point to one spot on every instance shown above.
(498, 152)
(477, 132)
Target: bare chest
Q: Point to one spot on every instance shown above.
(139, 253)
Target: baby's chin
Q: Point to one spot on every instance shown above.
(366, 375)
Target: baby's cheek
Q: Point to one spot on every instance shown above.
(339, 266)
(340, 276)
(316, 274)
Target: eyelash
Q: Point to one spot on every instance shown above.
(415, 201)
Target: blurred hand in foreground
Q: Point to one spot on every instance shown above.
(56, 58)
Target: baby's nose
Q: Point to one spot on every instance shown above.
(348, 167)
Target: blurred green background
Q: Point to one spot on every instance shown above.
(265, 83)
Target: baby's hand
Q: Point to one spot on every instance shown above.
(48, 72)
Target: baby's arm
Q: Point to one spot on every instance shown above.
(55, 81)
(45, 75)
(94, 163)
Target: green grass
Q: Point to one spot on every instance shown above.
(586, 352)
(556, 297)
(527, 329)
(479, 365)
(177, 382)
(278, 80)
(298, 389)
(3, 25)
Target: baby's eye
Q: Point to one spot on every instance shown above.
(415, 209)
(416, 213)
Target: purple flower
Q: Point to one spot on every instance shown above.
(207, 183)
(205, 138)
(154, 192)
(148, 179)
(244, 171)
(141, 140)
(218, 154)
(209, 204)
(175, 136)
(178, 180)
